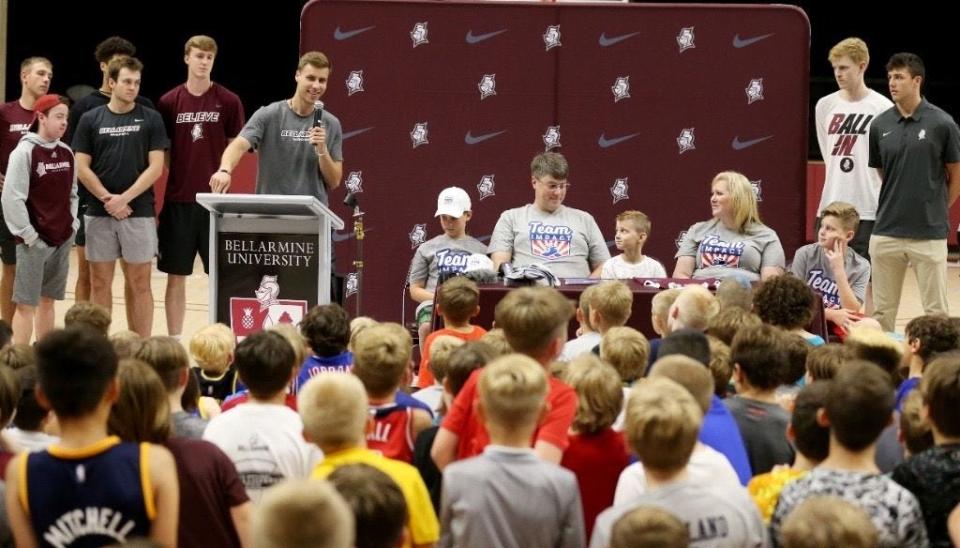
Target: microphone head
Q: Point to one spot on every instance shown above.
(318, 105)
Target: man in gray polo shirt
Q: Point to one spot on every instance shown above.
(916, 148)
(565, 240)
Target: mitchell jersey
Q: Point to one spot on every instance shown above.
(843, 130)
(392, 433)
(95, 496)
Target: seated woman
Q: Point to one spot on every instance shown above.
(735, 241)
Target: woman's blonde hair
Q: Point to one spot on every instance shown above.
(743, 200)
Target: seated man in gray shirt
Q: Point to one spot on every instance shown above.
(564, 240)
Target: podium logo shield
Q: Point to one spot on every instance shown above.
(249, 315)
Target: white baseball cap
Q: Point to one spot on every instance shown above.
(453, 201)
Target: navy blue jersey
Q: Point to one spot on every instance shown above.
(218, 388)
(95, 496)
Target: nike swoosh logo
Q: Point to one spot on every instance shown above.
(343, 35)
(744, 42)
(885, 133)
(471, 140)
(607, 42)
(607, 143)
(477, 38)
(355, 132)
(740, 145)
(138, 119)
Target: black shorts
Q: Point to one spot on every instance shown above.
(183, 232)
(861, 238)
(8, 245)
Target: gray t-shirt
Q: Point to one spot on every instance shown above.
(186, 425)
(442, 255)
(892, 508)
(811, 265)
(287, 163)
(567, 242)
(510, 498)
(721, 252)
(717, 515)
(763, 427)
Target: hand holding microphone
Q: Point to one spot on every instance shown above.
(318, 134)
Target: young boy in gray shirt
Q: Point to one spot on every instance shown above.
(663, 422)
(507, 496)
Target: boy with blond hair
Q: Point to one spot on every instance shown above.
(626, 349)
(540, 504)
(334, 408)
(729, 321)
(88, 314)
(212, 349)
(831, 268)
(597, 453)
(649, 526)
(534, 322)
(632, 231)
(587, 336)
(457, 303)
(659, 307)
(611, 304)
(300, 513)
(663, 421)
(933, 475)
(693, 309)
(828, 521)
(381, 361)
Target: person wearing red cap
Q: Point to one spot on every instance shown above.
(201, 117)
(40, 210)
(15, 118)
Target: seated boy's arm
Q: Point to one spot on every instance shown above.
(166, 495)
(17, 515)
(240, 515)
(548, 451)
(419, 293)
(552, 435)
(444, 450)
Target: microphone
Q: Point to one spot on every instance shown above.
(317, 113)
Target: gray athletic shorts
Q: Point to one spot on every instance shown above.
(41, 271)
(134, 239)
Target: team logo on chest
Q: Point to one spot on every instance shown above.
(451, 261)
(550, 241)
(196, 133)
(717, 252)
(825, 286)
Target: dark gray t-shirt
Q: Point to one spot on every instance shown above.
(119, 146)
(567, 242)
(721, 252)
(763, 427)
(186, 425)
(442, 255)
(287, 163)
(912, 152)
(811, 265)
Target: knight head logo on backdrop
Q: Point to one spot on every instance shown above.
(685, 39)
(754, 91)
(419, 34)
(354, 82)
(418, 235)
(551, 139)
(551, 37)
(418, 136)
(354, 182)
(620, 189)
(621, 89)
(686, 140)
(485, 186)
(487, 86)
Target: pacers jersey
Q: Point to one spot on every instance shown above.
(218, 388)
(392, 433)
(95, 496)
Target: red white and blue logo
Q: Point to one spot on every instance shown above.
(550, 241)
(717, 252)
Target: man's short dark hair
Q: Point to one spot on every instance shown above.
(759, 351)
(114, 45)
(327, 329)
(74, 369)
(688, 342)
(377, 502)
(265, 361)
(30, 415)
(910, 61)
(859, 404)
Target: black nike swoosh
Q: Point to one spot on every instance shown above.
(737, 144)
(477, 38)
(744, 42)
(470, 139)
(607, 42)
(343, 35)
(607, 143)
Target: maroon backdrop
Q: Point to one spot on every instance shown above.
(705, 88)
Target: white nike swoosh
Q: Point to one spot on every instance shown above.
(477, 38)
(607, 42)
(744, 42)
(737, 144)
(138, 119)
(607, 143)
(885, 133)
(343, 35)
(355, 132)
(471, 140)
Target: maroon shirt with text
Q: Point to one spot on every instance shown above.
(14, 122)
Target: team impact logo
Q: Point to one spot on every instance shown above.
(418, 136)
(418, 235)
(685, 39)
(551, 37)
(487, 86)
(485, 186)
(754, 91)
(354, 82)
(550, 242)
(249, 315)
(686, 140)
(551, 139)
(621, 88)
(354, 182)
(419, 34)
(619, 189)
(717, 252)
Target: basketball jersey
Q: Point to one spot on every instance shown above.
(392, 433)
(218, 388)
(90, 497)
